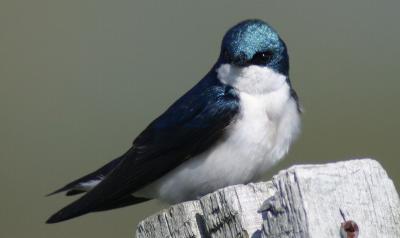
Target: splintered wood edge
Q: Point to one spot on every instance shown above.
(301, 201)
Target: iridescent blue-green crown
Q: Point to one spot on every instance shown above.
(244, 40)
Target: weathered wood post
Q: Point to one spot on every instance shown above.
(302, 201)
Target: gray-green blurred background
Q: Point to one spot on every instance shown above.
(80, 79)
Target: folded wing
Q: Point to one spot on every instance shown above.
(188, 127)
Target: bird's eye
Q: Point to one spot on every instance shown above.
(262, 58)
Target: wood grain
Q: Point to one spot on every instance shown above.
(302, 201)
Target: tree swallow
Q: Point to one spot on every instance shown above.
(230, 128)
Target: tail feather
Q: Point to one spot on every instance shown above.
(122, 202)
(73, 192)
(77, 186)
(67, 213)
(104, 195)
(77, 209)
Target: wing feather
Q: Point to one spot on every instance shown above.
(188, 127)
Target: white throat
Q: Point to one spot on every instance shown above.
(252, 79)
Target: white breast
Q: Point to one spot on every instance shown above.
(261, 135)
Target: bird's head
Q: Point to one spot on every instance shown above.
(254, 42)
(252, 49)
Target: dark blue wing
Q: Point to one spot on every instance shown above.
(188, 127)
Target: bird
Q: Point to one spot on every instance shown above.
(230, 128)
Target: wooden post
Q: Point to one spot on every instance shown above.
(302, 201)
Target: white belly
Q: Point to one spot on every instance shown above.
(257, 139)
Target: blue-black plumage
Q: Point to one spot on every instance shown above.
(229, 128)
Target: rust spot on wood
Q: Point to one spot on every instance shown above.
(348, 229)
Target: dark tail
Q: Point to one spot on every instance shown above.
(76, 209)
(73, 187)
(114, 191)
